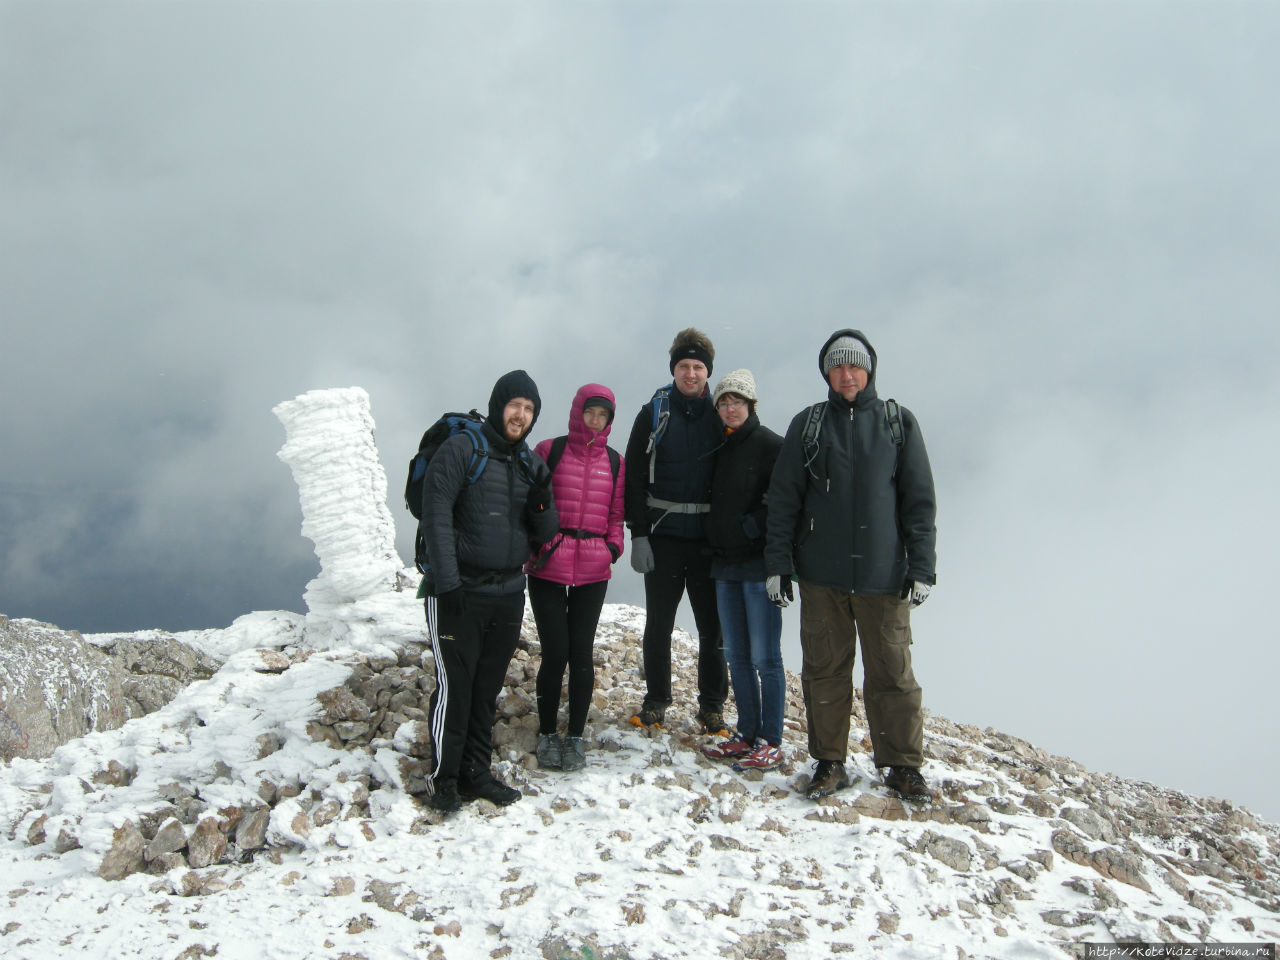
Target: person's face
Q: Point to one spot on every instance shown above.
(596, 418)
(847, 380)
(691, 377)
(733, 410)
(517, 418)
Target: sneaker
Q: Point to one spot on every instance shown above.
(650, 714)
(550, 751)
(730, 749)
(575, 753)
(495, 791)
(907, 783)
(765, 756)
(828, 777)
(444, 797)
(713, 723)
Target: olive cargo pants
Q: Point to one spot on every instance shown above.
(830, 623)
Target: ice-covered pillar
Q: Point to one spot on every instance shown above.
(343, 491)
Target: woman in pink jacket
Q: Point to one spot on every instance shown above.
(568, 577)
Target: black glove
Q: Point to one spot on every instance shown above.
(452, 602)
(778, 589)
(539, 497)
(613, 551)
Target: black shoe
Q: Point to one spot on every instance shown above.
(828, 777)
(907, 783)
(444, 797)
(495, 791)
(713, 723)
(650, 714)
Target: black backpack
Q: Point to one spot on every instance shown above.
(450, 424)
(812, 426)
(557, 451)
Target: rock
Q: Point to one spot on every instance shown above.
(251, 831)
(113, 774)
(170, 837)
(65, 841)
(338, 704)
(272, 661)
(954, 853)
(165, 862)
(1088, 823)
(207, 844)
(1108, 861)
(126, 853)
(54, 688)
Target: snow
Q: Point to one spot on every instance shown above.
(650, 851)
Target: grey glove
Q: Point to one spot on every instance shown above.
(779, 590)
(918, 590)
(641, 555)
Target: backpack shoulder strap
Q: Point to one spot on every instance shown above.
(615, 462)
(893, 416)
(556, 452)
(479, 450)
(660, 407)
(809, 436)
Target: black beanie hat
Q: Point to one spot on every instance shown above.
(692, 344)
(517, 383)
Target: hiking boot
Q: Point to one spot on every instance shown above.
(495, 791)
(575, 754)
(550, 751)
(765, 756)
(444, 797)
(650, 714)
(907, 783)
(733, 748)
(713, 723)
(828, 777)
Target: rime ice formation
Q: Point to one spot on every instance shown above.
(343, 491)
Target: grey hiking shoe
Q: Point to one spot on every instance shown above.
(908, 784)
(550, 751)
(575, 754)
(828, 777)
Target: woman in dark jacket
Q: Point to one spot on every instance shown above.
(750, 623)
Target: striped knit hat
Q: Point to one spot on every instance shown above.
(849, 350)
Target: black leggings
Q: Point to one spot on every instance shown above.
(566, 619)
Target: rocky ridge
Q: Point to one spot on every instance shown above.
(56, 685)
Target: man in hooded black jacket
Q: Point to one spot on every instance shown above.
(851, 515)
(478, 536)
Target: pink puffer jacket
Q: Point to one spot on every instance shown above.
(588, 498)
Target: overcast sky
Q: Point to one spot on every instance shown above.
(1058, 223)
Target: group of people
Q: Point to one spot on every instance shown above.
(719, 507)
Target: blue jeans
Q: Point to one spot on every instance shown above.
(752, 629)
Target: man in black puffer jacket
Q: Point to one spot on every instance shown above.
(478, 536)
(851, 514)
